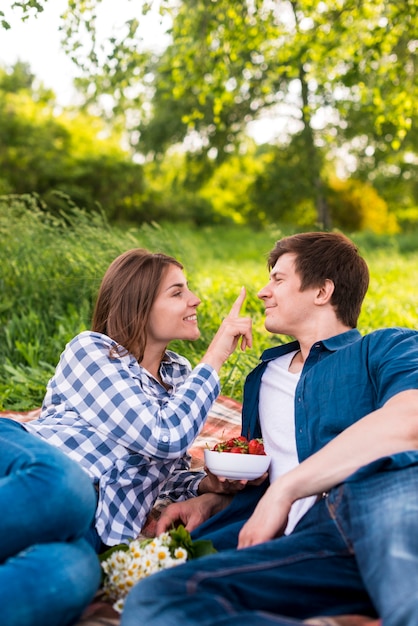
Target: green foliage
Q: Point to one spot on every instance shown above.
(30, 7)
(392, 298)
(46, 291)
(228, 191)
(168, 194)
(67, 154)
(355, 205)
(282, 189)
(342, 72)
(51, 268)
(194, 548)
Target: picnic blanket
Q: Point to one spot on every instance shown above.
(224, 422)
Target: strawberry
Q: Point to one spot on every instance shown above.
(241, 439)
(237, 450)
(255, 446)
(240, 445)
(236, 441)
(220, 447)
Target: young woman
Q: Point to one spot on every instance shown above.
(126, 408)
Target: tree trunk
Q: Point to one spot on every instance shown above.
(314, 158)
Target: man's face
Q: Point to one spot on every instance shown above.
(288, 310)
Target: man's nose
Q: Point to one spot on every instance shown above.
(263, 293)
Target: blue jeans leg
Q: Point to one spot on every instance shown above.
(380, 514)
(44, 496)
(48, 584)
(224, 527)
(47, 503)
(310, 572)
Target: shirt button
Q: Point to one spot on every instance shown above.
(165, 438)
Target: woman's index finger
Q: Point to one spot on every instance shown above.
(237, 306)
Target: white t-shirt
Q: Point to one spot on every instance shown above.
(277, 420)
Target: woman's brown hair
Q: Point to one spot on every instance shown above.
(126, 295)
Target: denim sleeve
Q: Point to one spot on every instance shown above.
(393, 361)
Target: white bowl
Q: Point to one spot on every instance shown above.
(236, 466)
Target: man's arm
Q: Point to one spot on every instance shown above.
(386, 431)
(214, 496)
(191, 513)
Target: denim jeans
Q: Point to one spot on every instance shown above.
(224, 527)
(48, 572)
(355, 551)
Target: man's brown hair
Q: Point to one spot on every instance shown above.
(321, 256)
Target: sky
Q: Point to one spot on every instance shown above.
(37, 41)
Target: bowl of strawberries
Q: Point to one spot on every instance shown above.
(238, 458)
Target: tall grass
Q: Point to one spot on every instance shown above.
(51, 267)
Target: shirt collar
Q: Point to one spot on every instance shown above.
(340, 341)
(173, 357)
(332, 344)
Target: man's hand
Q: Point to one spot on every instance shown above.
(191, 513)
(376, 435)
(269, 519)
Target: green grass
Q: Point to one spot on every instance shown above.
(51, 269)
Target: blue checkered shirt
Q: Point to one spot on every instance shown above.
(125, 429)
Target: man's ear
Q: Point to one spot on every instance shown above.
(325, 292)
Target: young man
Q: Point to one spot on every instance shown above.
(336, 532)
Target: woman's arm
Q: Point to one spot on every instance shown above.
(118, 398)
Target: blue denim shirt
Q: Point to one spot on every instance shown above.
(343, 379)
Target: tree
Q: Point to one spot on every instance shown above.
(28, 8)
(342, 71)
(66, 154)
(343, 68)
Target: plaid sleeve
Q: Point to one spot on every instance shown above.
(109, 394)
(183, 482)
(223, 422)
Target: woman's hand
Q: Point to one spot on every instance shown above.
(218, 484)
(227, 337)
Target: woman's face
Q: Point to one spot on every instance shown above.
(173, 314)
